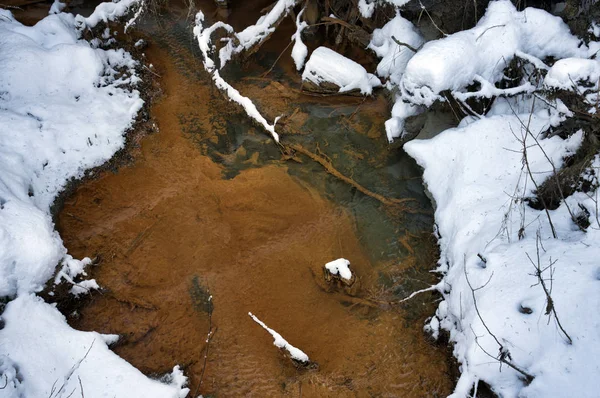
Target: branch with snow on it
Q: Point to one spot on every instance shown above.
(297, 355)
(203, 35)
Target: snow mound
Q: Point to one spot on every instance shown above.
(488, 234)
(394, 56)
(340, 267)
(327, 66)
(483, 52)
(567, 73)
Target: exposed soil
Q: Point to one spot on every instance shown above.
(210, 206)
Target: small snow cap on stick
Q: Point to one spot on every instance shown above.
(296, 354)
(340, 267)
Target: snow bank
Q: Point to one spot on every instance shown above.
(478, 180)
(340, 267)
(327, 66)
(64, 108)
(46, 354)
(483, 52)
(567, 73)
(282, 343)
(255, 34)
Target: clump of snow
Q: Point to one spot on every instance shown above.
(483, 52)
(394, 56)
(282, 343)
(299, 51)
(57, 7)
(340, 267)
(478, 181)
(327, 66)
(567, 73)
(64, 107)
(367, 7)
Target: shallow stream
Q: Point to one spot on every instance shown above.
(212, 207)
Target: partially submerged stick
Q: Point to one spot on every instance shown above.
(298, 357)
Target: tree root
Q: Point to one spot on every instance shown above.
(328, 166)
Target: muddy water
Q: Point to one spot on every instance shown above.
(211, 207)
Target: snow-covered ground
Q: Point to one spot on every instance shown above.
(495, 248)
(64, 107)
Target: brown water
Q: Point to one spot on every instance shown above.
(210, 204)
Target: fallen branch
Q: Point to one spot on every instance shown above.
(334, 172)
(298, 357)
(413, 294)
(209, 337)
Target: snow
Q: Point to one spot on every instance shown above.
(206, 47)
(394, 57)
(475, 174)
(299, 51)
(566, 73)
(483, 52)
(246, 103)
(65, 105)
(367, 7)
(111, 11)
(62, 110)
(282, 343)
(326, 65)
(340, 267)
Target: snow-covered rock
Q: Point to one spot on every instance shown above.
(340, 267)
(326, 67)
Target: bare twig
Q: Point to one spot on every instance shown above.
(503, 353)
(400, 43)
(70, 374)
(209, 337)
(550, 307)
